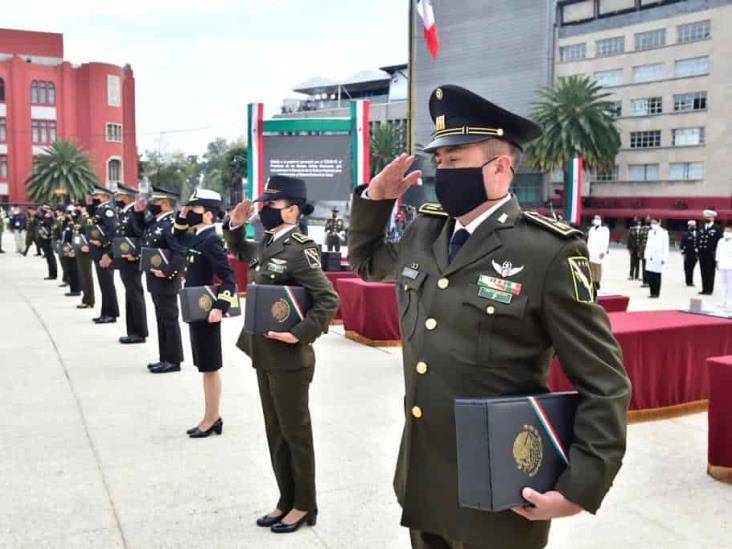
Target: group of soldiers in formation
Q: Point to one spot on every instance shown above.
(708, 245)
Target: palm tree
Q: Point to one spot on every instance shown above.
(578, 120)
(63, 169)
(387, 141)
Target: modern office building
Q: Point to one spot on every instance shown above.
(44, 98)
(668, 66)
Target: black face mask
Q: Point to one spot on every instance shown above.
(270, 217)
(154, 209)
(120, 204)
(194, 218)
(461, 190)
(96, 201)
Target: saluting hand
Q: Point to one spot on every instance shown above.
(284, 337)
(391, 183)
(242, 213)
(546, 506)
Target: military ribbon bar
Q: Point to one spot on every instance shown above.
(499, 284)
(551, 433)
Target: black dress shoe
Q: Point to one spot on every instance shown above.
(267, 521)
(153, 365)
(49, 278)
(63, 285)
(281, 528)
(72, 294)
(132, 339)
(105, 320)
(165, 367)
(217, 427)
(84, 306)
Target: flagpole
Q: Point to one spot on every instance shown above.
(411, 137)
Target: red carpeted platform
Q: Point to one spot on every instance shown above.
(720, 418)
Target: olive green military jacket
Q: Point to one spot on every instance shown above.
(292, 260)
(488, 324)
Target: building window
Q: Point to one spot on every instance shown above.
(650, 40)
(615, 109)
(3, 166)
(695, 101)
(645, 139)
(43, 92)
(3, 130)
(692, 67)
(648, 73)
(609, 78)
(114, 133)
(610, 46)
(43, 132)
(685, 137)
(686, 171)
(114, 170)
(578, 11)
(114, 91)
(2, 90)
(614, 6)
(646, 106)
(575, 52)
(607, 175)
(644, 172)
(693, 32)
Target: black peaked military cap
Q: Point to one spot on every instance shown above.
(159, 193)
(462, 117)
(206, 198)
(124, 189)
(282, 187)
(101, 189)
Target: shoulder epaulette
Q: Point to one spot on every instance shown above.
(559, 227)
(434, 209)
(301, 238)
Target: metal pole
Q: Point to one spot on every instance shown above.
(411, 93)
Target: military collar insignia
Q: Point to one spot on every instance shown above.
(506, 269)
(301, 238)
(559, 227)
(502, 218)
(433, 209)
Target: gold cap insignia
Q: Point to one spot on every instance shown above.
(439, 94)
(440, 122)
(528, 451)
(124, 247)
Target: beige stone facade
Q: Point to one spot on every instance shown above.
(686, 56)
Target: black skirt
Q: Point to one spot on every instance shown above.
(206, 345)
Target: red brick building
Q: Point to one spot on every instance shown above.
(44, 98)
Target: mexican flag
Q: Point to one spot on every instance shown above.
(573, 200)
(424, 9)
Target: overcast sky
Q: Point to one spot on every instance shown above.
(198, 63)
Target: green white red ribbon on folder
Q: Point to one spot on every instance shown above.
(549, 429)
(295, 305)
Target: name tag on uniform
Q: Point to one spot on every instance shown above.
(275, 268)
(409, 272)
(500, 284)
(501, 297)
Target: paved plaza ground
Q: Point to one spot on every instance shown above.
(94, 452)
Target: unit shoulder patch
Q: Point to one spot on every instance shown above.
(579, 266)
(312, 255)
(559, 227)
(433, 209)
(301, 238)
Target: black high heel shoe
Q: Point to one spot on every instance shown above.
(267, 521)
(217, 427)
(281, 528)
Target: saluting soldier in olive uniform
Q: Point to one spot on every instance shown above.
(105, 217)
(157, 232)
(487, 294)
(31, 230)
(285, 361)
(129, 269)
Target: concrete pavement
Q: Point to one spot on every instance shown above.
(94, 452)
